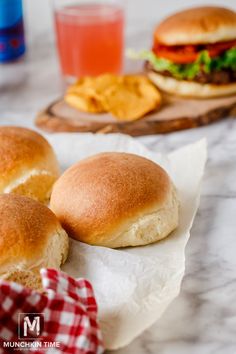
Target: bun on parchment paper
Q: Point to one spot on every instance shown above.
(31, 237)
(28, 165)
(116, 200)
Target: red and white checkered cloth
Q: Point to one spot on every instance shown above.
(63, 319)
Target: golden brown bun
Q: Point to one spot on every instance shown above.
(208, 24)
(30, 238)
(28, 165)
(116, 200)
(190, 88)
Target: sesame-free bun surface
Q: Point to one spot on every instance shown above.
(116, 200)
(31, 237)
(190, 88)
(200, 25)
(28, 165)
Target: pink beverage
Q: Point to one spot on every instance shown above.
(90, 39)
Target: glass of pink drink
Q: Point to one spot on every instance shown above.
(90, 36)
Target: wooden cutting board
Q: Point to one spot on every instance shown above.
(175, 114)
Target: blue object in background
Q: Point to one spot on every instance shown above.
(12, 42)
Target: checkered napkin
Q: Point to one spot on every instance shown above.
(63, 319)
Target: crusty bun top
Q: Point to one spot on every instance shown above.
(99, 195)
(198, 25)
(26, 227)
(21, 150)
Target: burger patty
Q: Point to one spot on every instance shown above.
(221, 77)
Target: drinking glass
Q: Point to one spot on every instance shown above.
(90, 36)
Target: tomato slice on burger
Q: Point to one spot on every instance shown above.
(179, 55)
(217, 48)
(189, 53)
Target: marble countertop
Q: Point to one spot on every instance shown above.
(202, 320)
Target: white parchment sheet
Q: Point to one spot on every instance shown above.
(134, 286)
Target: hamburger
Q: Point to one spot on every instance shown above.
(194, 53)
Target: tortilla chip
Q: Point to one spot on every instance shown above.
(86, 93)
(127, 97)
(132, 98)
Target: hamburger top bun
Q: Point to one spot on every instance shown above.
(28, 164)
(208, 24)
(30, 238)
(116, 200)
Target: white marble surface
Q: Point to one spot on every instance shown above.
(202, 320)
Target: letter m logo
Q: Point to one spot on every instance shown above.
(30, 325)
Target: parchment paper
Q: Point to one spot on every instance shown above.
(134, 286)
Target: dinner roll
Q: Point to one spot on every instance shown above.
(31, 237)
(116, 200)
(28, 165)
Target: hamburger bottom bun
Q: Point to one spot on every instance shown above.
(30, 238)
(28, 165)
(116, 200)
(190, 88)
(207, 24)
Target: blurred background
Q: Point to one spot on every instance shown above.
(30, 83)
(141, 14)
